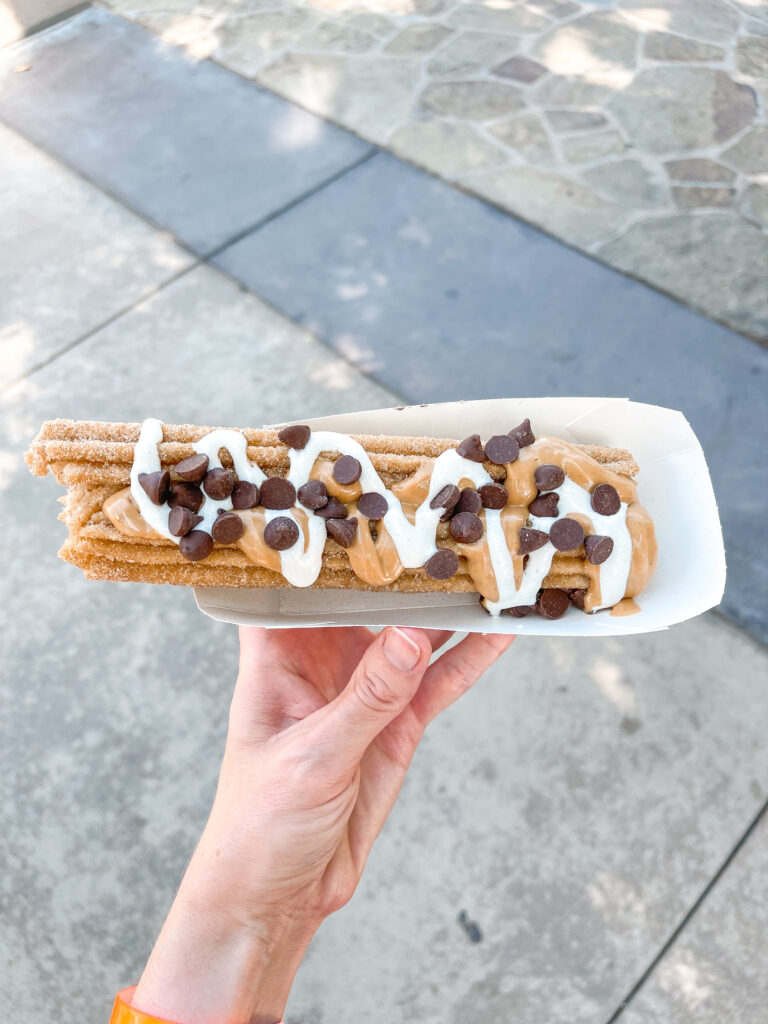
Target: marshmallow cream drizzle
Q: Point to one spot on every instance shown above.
(414, 542)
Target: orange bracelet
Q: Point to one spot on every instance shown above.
(124, 1013)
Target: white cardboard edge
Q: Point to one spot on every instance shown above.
(674, 485)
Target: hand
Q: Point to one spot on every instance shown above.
(323, 726)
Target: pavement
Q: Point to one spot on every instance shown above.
(184, 242)
(634, 131)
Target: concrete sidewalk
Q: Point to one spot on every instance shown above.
(187, 245)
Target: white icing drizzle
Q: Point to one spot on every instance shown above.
(415, 542)
(571, 499)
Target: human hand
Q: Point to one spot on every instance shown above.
(323, 726)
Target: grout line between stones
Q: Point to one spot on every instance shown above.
(689, 915)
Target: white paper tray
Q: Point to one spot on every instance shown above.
(674, 486)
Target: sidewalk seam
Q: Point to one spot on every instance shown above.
(144, 297)
(687, 917)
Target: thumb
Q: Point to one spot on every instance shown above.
(384, 682)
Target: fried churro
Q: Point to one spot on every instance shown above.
(531, 524)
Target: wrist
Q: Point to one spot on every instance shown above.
(208, 967)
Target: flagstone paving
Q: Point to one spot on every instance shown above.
(635, 131)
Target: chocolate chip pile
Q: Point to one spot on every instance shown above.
(183, 489)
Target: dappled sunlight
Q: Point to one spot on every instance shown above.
(608, 677)
(198, 34)
(653, 17)
(569, 54)
(687, 980)
(348, 292)
(295, 131)
(334, 376)
(615, 899)
(18, 345)
(353, 349)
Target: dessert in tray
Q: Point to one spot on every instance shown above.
(531, 524)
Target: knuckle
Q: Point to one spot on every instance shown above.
(376, 691)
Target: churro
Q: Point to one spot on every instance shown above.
(531, 524)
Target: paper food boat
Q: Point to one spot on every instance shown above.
(673, 484)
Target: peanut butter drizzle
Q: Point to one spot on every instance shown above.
(478, 555)
(323, 470)
(377, 561)
(414, 489)
(645, 551)
(374, 561)
(582, 469)
(627, 606)
(593, 596)
(123, 512)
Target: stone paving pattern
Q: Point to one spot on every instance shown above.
(635, 131)
(574, 806)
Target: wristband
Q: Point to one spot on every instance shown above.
(124, 1013)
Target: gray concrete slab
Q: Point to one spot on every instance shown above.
(574, 804)
(184, 142)
(715, 974)
(113, 704)
(443, 297)
(73, 257)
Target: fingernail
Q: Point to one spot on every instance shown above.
(400, 650)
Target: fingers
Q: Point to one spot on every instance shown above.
(438, 637)
(456, 671)
(384, 682)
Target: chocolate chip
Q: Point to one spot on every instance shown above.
(347, 470)
(523, 434)
(313, 494)
(545, 505)
(469, 501)
(227, 528)
(186, 495)
(196, 545)
(493, 495)
(566, 534)
(193, 469)
(577, 598)
(531, 540)
(218, 483)
(372, 505)
(342, 530)
(605, 500)
(277, 492)
(501, 448)
(333, 509)
(295, 436)
(547, 478)
(181, 521)
(281, 533)
(471, 448)
(156, 485)
(442, 565)
(446, 497)
(466, 527)
(521, 610)
(598, 549)
(245, 495)
(552, 603)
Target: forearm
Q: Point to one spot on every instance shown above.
(207, 968)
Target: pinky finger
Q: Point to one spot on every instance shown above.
(456, 671)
